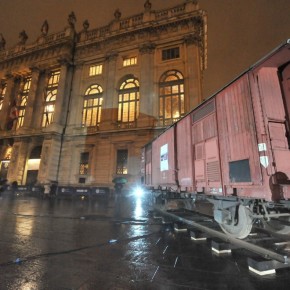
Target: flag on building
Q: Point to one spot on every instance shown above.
(13, 115)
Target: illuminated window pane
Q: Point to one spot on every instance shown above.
(171, 98)
(168, 108)
(95, 70)
(128, 107)
(181, 88)
(182, 104)
(122, 161)
(92, 106)
(50, 98)
(84, 163)
(130, 61)
(161, 107)
(8, 153)
(22, 101)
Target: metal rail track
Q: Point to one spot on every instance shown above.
(207, 228)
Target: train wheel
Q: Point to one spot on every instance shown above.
(277, 226)
(241, 227)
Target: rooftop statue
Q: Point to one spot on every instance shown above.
(117, 14)
(2, 42)
(86, 25)
(72, 20)
(147, 5)
(22, 37)
(44, 28)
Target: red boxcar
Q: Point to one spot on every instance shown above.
(233, 148)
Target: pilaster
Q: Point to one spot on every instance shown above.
(110, 105)
(147, 94)
(10, 87)
(28, 117)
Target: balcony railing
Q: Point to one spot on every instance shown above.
(132, 22)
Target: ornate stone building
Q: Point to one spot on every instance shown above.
(77, 107)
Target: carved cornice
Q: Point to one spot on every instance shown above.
(147, 48)
(193, 38)
(112, 56)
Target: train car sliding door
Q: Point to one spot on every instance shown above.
(207, 171)
(275, 115)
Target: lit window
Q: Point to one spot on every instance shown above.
(170, 53)
(84, 163)
(8, 153)
(23, 102)
(171, 97)
(128, 106)
(96, 70)
(4, 163)
(122, 161)
(130, 61)
(2, 95)
(92, 108)
(49, 98)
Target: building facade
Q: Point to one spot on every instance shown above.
(76, 107)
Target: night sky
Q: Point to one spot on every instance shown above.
(240, 32)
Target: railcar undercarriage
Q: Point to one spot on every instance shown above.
(236, 216)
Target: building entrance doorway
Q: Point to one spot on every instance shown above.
(33, 165)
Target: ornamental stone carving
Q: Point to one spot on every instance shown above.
(44, 28)
(117, 14)
(111, 56)
(147, 5)
(193, 39)
(72, 20)
(86, 25)
(22, 37)
(147, 48)
(2, 42)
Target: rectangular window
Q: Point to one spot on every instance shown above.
(84, 163)
(130, 61)
(96, 70)
(23, 102)
(170, 53)
(50, 98)
(122, 161)
(240, 171)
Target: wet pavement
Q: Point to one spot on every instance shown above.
(110, 243)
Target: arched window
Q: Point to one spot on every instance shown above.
(23, 102)
(93, 101)
(171, 97)
(128, 105)
(49, 98)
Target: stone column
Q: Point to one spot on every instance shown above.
(10, 88)
(148, 98)
(194, 76)
(76, 103)
(110, 104)
(38, 106)
(63, 91)
(22, 159)
(28, 117)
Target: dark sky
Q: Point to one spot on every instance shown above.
(240, 32)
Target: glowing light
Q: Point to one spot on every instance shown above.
(33, 164)
(138, 191)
